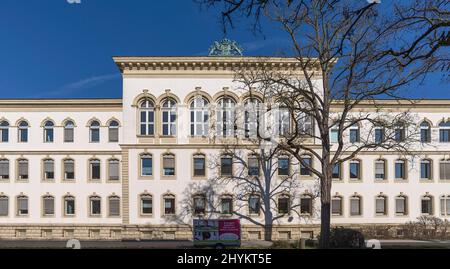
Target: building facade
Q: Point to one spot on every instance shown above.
(119, 168)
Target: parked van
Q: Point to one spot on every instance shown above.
(218, 233)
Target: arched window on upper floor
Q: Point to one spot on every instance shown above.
(94, 132)
(425, 132)
(199, 116)
(4, 131)
(147, 117)
(113, 131)
(69, 128)
(444, 131)
(226, 118)
(252, 117)
(22, 135)
(49, 132)
(169, 117)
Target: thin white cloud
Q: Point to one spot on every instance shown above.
(80, 85)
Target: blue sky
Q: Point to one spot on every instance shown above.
(53, 49)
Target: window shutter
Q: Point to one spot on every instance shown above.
(48, 166)
(68, 134)
(23, 168)
(3, 206)
(114, 206)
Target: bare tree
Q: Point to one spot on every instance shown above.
(349, 54)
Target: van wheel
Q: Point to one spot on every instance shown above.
(220, 246)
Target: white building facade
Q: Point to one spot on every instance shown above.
(118, 168)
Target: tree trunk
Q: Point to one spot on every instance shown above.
(268, 232)
(325, 198)
(325, 225)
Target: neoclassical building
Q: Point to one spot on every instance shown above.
(116, 168)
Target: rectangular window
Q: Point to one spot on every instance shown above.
(380, 170)
(425, 170)
(113, 134)
(400, 206)
(336, 206)
(95, 169)
(399, 135)
(445, 206)
(379, 135)
(336, 172)
(49, 170)
(68, 135)
(306, 205)
(354, 135)
(95, 135)
(23, 135)
(444, 135)
(334, 135)
(226, 166)
(444, 170)
(254, 205)
(49, 206)
(427, 206)
(4, 206)
(146, 166)
(355, 207)
(253, 166)
(425, 135)
(146, 205)
(69, 206)
(22, 206)
(114, 207)
(169, 165)
(169, 206)
(400, 170)
(283, 205)
(380, 206)
(355, 170)
(283, 166)
(305, 166)
(227, 206)
(48, 135)
(4, 134)
(199, 166)
(114, 170)
(96, 208)
(69, 170)
(4, 169)
(23, 169)
(199, 205)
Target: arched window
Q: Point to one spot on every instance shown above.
(69, 129)
(4, 169)
(444, 131)
(4, 205)
(4, 131)
(425, 132)
(48, 206)
(381, 205)
(113, 131)
(49, 169)
(199, 116)
(226, 121)
(355, 205)
(23, 132)
(169, 117)
(94, 132)
(146, 207)
(283, 121)
(427, 207)
(199, 204)
(49, 132)
(114, 206)
(147, 117)
(252, 119)
(69, 205)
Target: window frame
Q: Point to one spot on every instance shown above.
(169, 110)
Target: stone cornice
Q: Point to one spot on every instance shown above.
(61, 104)
(215, 65)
